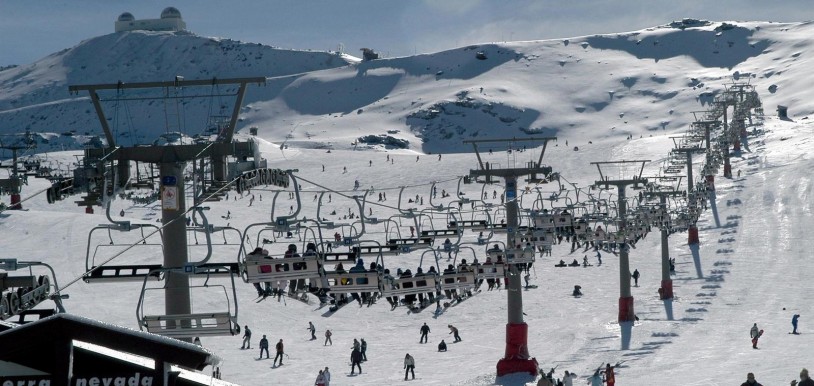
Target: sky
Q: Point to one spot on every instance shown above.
(32, 30)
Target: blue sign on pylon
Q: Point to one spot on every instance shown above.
(168, 180)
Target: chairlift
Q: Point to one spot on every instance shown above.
(341, 281)
(414, 285)
(22, 294)
(200, 322)
(462, 278)
(98, 271)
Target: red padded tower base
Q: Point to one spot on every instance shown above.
(517, 358)
(15, 202)
(692, 235)
(666, 290)
(89, 209)
(626, 313)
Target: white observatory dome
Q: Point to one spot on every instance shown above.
(170, 13)
(127, 16)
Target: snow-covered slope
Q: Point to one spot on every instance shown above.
(581, 88)
(593, 92)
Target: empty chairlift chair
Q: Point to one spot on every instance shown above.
(221, 320)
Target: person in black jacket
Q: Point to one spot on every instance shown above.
(804, 379)
(280, 353)
(750, 381)
(355, 361)
(442, 347)
(264, 346)
(425, 329)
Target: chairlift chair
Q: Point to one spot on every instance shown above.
(98, 271)
(222, 322)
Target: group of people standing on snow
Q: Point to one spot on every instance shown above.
(805, 380)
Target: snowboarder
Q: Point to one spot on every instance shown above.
(313, 330)
(635, 277)
(750, 380)
(247, 338)
(425, 329)
(355, 361)
(409, 366)
(755, 334)
(280, 353)
(328, 338)
(453, 330)
(442, 347)
(364, 350)
(264, 346)
(794, 323)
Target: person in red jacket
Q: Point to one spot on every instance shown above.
(610, 378)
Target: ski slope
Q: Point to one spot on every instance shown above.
(749, 266)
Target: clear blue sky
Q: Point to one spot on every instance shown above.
(32, 29)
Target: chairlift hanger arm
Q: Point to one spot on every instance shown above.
(178, 82)
(545, 140)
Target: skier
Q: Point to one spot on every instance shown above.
(264, 346)
(328, 338)
(425, 329)
(794, 323)
(409, 366)
(454, 330)
(804, 379)
(567, 379)
(355, 361)
(364, 350)
(754, 333)
(442, 347)
(313, 330)
(544, 382)
(247, 338)
(280, 353)
(750, 381)
(596, 379)
(610, 377)
(635, 276)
